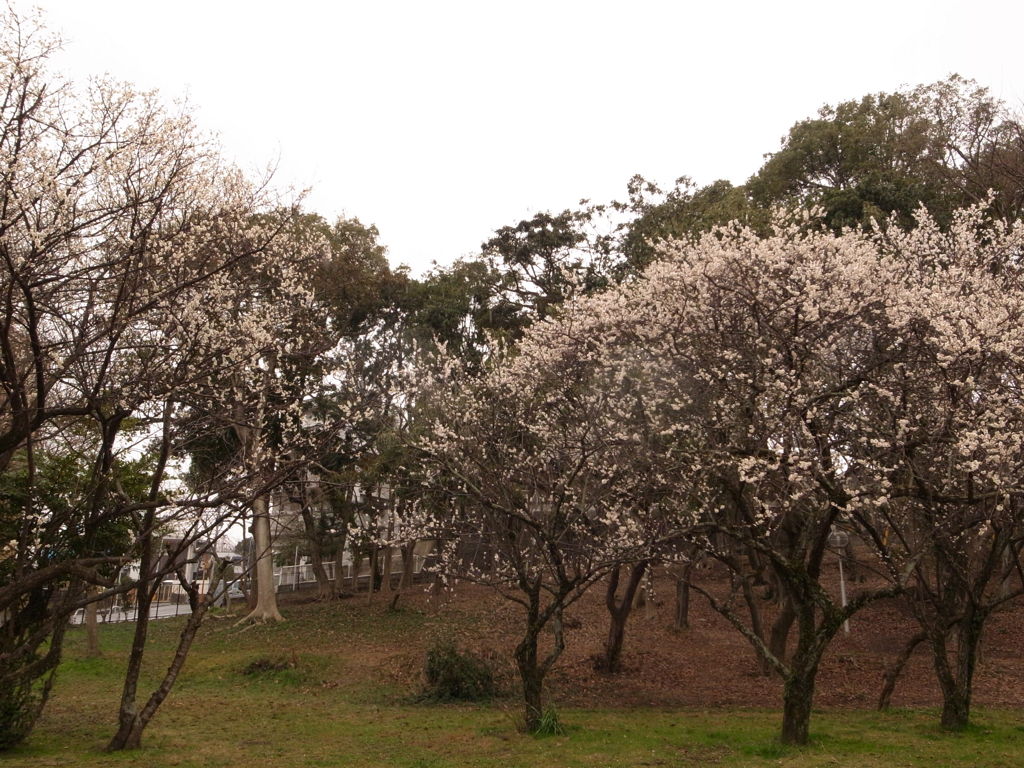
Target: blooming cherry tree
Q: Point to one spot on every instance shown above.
(530, 466)
(755, 357)
(126, 246)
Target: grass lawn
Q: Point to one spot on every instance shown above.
(343, 699)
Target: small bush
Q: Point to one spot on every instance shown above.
(457, 676)
(19, 709)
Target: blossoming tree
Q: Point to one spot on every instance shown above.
(754, 357)
(123, 237)
(530, 463)
(939, 448)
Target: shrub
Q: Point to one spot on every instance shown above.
(19, 709)
(455, 675)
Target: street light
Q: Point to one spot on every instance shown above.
(838, 540)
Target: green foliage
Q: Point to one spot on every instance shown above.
(354, 279)
(19, 708)
(64, 502)
(523, 273)
(942, 146)
(681, 213)
(865, 158)
(458, 306)
(454, 675)
(549, 724)
(61, 500)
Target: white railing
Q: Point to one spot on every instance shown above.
(294, 576)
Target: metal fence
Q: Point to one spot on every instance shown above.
(170, 601)
(293, 577)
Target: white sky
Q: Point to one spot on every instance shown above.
(440, 121)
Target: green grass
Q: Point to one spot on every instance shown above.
(334, 703)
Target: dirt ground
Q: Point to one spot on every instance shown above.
(711, 664)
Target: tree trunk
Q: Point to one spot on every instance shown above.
(357, 565)
(92, 631)
(618, 611)
(324, 585)
(798, 691)
(780, 630)
(408, 565)
(128, 710)
(532, 687)
(797, 698)
(683, 596)
(339, 569)
(532, 671)
(371, 577)
(325, 588)
(957, 686)
(956, 708)
(266, 598)
(133, 720)
(532, 675)
(756, 622)
(639, 598)
(611, 660)
(385, 576)
(892, 674)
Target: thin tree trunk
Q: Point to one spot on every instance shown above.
(756, 622)
(147, 585)
(648, 588)
(324, 585)
(408, 564)
(251, 591)
(533, 682)
(618, 611)
(683, 597)
(325, 588)
(532, 670)
(892, 674)
(266, 598)
(92, 631)
(342, 508)
(389, 553)
(531, 673)
(385, 575)
(339, 569)
(798, 690)
(780, 629)
(357, 565)
(371, 578)
(639, 598)
(133, 721)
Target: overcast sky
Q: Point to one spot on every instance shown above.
(441, 121)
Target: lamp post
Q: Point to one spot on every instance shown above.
(838, 540)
